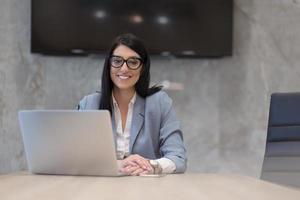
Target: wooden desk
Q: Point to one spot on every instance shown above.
(184, 186)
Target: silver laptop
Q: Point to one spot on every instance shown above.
(69, 142)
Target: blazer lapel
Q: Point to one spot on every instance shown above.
(138, 117)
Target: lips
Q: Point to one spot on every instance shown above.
(123, 77)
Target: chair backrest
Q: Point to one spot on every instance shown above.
(282, 156)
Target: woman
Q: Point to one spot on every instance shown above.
(147, 133)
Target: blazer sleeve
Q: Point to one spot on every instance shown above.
(171, 138)
(89, 102)
(82, 104)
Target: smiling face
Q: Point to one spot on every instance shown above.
(123, 77)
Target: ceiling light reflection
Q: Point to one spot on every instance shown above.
(100, 14)
(163, 20)
(137, 19)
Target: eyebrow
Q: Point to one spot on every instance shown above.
(127, 58)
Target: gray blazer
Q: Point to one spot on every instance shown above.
(155, 130)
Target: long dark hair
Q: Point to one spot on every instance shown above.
(142, 85)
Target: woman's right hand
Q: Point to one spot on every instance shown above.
(135, 165)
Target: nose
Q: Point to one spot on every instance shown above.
(124, 67)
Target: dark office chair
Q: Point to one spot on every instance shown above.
(282, 157)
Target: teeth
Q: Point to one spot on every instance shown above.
(123, 77)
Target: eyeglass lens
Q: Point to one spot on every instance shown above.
(132, 63)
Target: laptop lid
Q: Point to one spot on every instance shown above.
(69, 142)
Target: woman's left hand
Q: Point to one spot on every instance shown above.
(135, 165)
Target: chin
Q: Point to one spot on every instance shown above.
(124, 87)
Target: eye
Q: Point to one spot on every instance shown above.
(116, 60)
(134, 61)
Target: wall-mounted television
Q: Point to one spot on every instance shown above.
(201, 28)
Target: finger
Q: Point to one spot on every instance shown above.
(131, 158)
(131, 169)
(137, 172)
(126, 166)
(147, 165)
(138, 162)
(142, 162)
(128, 163)
(145, 172)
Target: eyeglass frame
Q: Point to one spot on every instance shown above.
(125, 61)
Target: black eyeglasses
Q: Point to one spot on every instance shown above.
(132, 62)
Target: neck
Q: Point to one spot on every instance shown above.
(123, 97)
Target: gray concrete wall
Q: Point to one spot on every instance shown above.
(223, 108)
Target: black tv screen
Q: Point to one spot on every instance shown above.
(200, 28)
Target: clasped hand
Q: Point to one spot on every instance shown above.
(135, 165)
